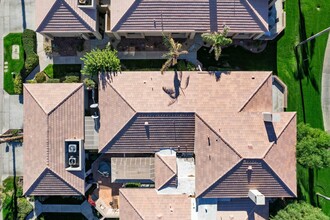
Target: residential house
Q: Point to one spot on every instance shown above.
(247, 19)
(198, 145)
(68, 18)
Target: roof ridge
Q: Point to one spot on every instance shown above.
(165, 163)
(255, 92)
(131, 204)
(263, 22)
(58, 4)
(171, 177)
(223, 139)
(66, 98)
(35, 99)
(281, 132)
(229, 169)
(278, 177)
(122, 98)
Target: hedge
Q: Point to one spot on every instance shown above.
(40, 77)
(71, 79)
(53, 81)
(30, 47)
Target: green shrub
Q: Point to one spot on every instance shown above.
(132, 185)
(71, 79)
(31, 81)
(24, 208)
(53, 81)
(30, 48)
(191, 67)
(89, 83)
(32, 60)
(29, 41)
(181, 65)
(18, 84)
(40, 77)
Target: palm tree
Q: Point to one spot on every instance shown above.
(173, 54)
(217, 40)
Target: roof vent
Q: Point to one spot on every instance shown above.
(249, 168)
(250, 146)
(257, 197)
(271, 117)
(146, 123)
(268, 116)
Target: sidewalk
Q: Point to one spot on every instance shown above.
(325, 92)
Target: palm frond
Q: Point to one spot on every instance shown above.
(166, 65)
(182, 52)
(187, 83)
(217, 52)
(208, 38)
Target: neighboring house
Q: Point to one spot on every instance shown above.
(247, 19)
(67, 18)
(207, 147)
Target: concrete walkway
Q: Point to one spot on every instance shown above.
(325, 93)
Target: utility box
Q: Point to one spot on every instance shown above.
(257, 197)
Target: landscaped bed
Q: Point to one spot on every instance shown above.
(237, 58)
(61, 71)
(23, 64)
(15, 206)
(14, 66)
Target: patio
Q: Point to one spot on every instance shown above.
(107, 193)
(149, 44)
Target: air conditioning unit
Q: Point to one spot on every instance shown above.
(72, 161)
(257, 197)
(72, 148)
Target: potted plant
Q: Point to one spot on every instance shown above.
(89, 83)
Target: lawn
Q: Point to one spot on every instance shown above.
(312, 21)
(59, 71)
(13, 65)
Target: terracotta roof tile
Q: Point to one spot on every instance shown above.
(190, 15)
(165, 169)
(64, 16)
(146, 204)
(47, 123)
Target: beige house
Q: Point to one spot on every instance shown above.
(199, 145)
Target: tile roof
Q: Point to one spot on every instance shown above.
(64, 16)
(165, 169)
(229, 125)
(47, 123)
(241, 16)
(146, 204)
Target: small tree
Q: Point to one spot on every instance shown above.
(100, 61)
(173, 54)
(313, 147)
(217, 40)
(300, 211)
(18, 84)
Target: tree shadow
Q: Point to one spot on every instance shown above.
(178, 88)
(105, 78)
(217, 74)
